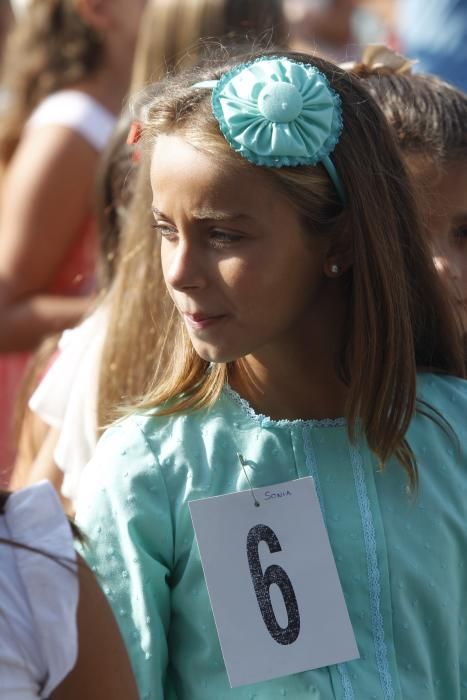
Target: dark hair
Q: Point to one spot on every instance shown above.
(244, 18)
(428, 115)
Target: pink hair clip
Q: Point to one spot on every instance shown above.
(135, 132)
(134, 135)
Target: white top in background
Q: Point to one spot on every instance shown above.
(38, 595)
(77, 111)
(66, 398)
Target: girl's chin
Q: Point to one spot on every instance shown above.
(214, 354)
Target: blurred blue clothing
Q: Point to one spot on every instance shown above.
(435, 33)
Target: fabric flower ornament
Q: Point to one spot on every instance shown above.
(276, 112)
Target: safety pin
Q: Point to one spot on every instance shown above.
(244, 464)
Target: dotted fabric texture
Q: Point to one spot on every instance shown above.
(402, 559)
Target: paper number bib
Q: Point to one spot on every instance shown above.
(272, 581)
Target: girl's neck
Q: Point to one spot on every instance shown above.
(310, 395)
(299, 380)
(110, 83)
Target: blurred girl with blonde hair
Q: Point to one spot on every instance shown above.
(66, 74)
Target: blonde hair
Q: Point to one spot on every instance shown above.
(178, 34)
(395, 326)
(51, 48)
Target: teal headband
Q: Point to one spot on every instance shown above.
(276, 112)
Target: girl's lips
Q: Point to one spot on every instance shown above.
(199, 321)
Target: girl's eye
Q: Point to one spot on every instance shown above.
(222, 239)
(166, 231)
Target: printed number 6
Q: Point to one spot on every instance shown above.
(262, 582)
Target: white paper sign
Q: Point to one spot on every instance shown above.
(272, 582)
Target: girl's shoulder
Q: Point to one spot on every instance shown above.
(134, 448)
(77, 111)
(148, 434)
(39, 591)
(445, 394)
(152, 431)
(440, 422)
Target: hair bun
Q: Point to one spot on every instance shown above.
(378, 59)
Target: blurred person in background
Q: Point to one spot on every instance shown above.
(179, 34)
(174, 34)
(58, 637)
(429, 117)
(63, 406)
(435, 33)
(66, 73)
(337, 28)
(324, 26)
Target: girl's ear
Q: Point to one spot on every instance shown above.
(97, 14)
(339, 258)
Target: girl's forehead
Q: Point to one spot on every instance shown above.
(175, 159)
(185, 179)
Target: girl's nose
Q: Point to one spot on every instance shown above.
(183, 267)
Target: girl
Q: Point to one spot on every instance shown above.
(58, 638)
(66, 397)
(66, 76)
(429, 118)
(299, 304)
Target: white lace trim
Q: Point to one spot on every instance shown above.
(374, 585)
(346, 682)
(266, 421)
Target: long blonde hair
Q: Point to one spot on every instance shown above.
(179, 34)
(51, 48)
(398, 318)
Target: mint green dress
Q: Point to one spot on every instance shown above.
(402, 560)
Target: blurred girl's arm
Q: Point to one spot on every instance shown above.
(46, 196)
(102, 669)
(34, 465)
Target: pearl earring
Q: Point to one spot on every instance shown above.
(335, 269)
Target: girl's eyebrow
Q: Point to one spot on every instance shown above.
(157, 212)
(210, 215)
